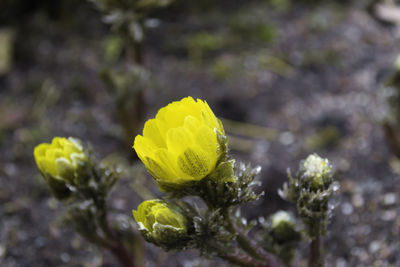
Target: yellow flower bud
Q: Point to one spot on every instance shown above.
(160, 222)
(61, 160)
(182, 143)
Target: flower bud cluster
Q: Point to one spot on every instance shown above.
(185, 149)
(310, 190)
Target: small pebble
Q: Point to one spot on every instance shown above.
(374, 246)
(2, 251)
(65, 257)
(40, 242)
(286, 138)
(357, 200)
(341, 262)
(347, 208)
(389, 199)
(389, 215)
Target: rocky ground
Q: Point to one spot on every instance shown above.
(311, 75)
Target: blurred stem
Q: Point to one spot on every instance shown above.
(315, 259)
(115, 245)
(249, 246)
(243, 260)
(132, 118)
(391, 138)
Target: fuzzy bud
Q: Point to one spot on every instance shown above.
(61, 163)
(161, 223)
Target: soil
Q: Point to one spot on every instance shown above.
(313, 73)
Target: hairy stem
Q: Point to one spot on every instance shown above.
(249, 246)
(243, 260)
(391, 138)
(315, 258)
(132, 118)
(116, 246)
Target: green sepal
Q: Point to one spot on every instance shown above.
(58, 188)
(224, 172)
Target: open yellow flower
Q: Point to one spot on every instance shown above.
(181, 144)
(61, 159)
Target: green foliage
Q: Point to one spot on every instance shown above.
(281, 5)
(252, 24)
(224, 66)
(210, 234)
(281, 236)
(6, 50)
(326, 137)
(203, 44)
(113, 48)
(394, 99)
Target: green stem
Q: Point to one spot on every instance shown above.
(315, 257)
(391, 138)
(133, 117)
(243, 260)
(249, 246)
(116, 246)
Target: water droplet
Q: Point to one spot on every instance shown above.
(335, 186)
(257, 169)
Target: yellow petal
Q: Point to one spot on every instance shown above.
(58, 142)
(165, 159)
(152, 132)
(49, 166)
(156, 169)
(194, 163)
(54, 153)
(178, 139)
(192, 124)
(206, 140)
(40, 152)
(210, 119)
(144, 147)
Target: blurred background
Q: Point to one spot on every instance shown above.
(287, 78)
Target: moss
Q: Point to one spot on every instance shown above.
(225, 66)
(202, 44)
(324, 138)
(6, 50)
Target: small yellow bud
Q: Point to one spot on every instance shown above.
(182, 143)
(61, 160)
(160, 222)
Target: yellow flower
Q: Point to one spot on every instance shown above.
(61, 159)
(181, 144)
(160, 222)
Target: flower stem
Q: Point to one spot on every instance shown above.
(243, 260)
(391, 138)
(116, 246)
(315, 258)
(249, 246)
